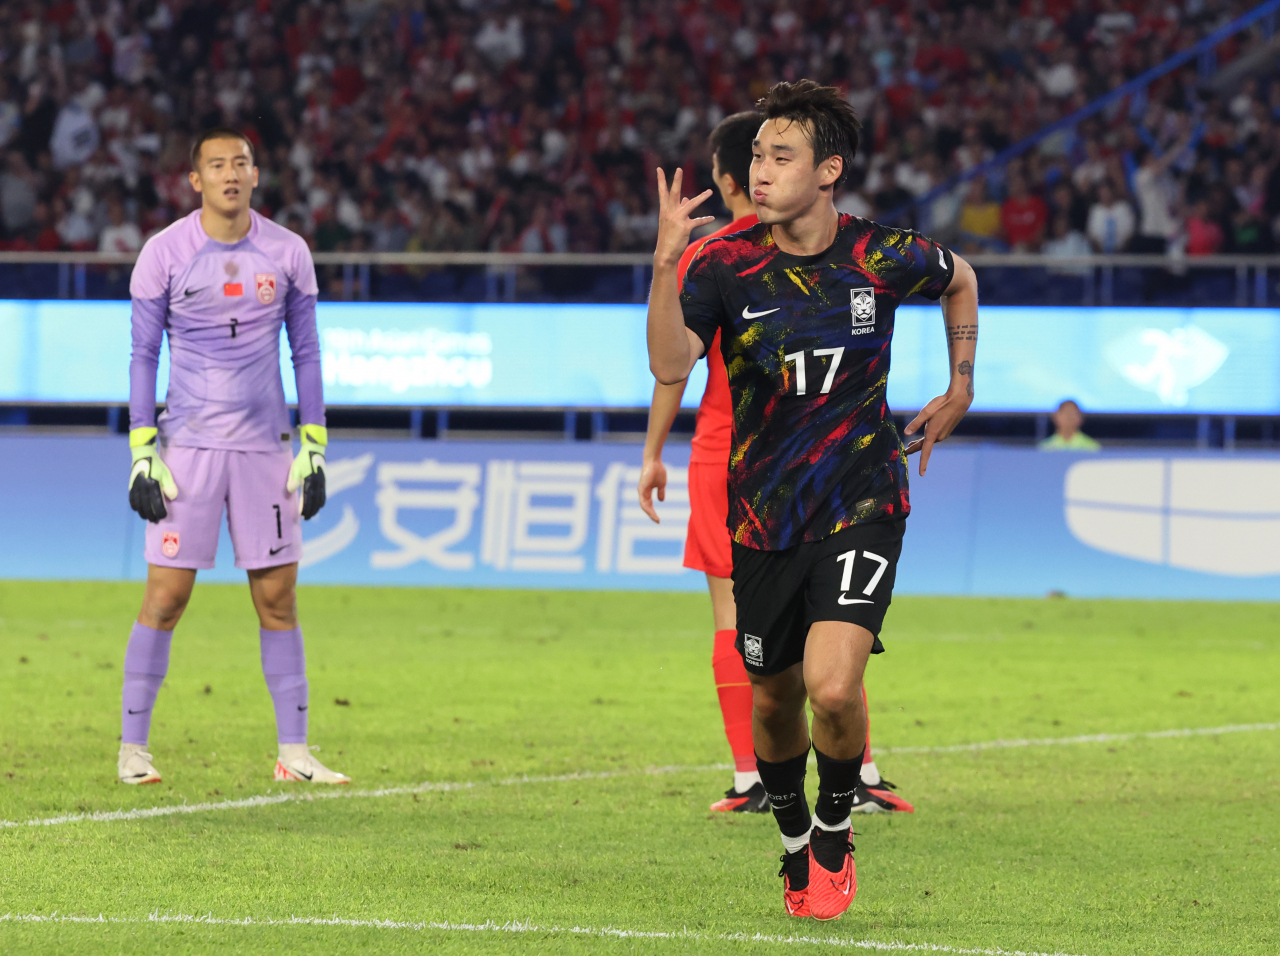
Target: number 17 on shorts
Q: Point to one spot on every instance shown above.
(846, 578)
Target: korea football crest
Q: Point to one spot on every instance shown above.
(862, 303)
(266, 287)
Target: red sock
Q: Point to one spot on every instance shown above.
(866, 752)
(734, 690)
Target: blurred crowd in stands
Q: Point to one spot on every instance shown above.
(535, 126)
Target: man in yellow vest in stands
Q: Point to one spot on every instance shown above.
(1067, 435)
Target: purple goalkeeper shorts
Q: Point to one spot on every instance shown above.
(266, 529)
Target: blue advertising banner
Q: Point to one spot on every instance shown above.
(1207, 361)
(985, 520)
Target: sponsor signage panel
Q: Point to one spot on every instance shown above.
(985, 520)
(1198, 361)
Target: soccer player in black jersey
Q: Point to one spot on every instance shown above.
(805, 305)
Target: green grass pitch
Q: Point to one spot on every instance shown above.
(1163, 846)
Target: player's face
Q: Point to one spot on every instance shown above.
(226, 176)
(785, 184)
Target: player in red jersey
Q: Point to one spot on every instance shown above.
(707, 545)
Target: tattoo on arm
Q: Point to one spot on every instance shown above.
(962, 333)
(965, 368)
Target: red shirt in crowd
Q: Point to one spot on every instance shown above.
(1204, 236)
(1024, 220)
(951, 57)
(348, 84)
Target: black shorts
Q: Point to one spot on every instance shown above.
(779, 594)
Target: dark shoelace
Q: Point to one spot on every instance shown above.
(795, 867)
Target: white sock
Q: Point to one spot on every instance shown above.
(844, 824)
(744, 780)
(870, 775)
(792, 844)
(292, 752)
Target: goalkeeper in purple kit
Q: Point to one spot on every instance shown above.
(220, 283)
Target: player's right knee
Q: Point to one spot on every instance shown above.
(774, 702)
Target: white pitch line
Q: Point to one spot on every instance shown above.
(1084, 739)
(490, 926)
(265, 800)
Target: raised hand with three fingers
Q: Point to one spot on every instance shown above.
(675, 223)
(673, 349)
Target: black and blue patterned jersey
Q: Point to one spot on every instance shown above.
(806, 344)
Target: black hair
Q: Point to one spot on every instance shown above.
(731, 145)
(832, 126)
(219, 132)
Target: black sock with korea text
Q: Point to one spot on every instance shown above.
(837, 781)
(784, 783)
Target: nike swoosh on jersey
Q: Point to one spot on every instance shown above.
(843, 599)
(748, 314)
(186, 292)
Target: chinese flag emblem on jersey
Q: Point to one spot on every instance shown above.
(266, 287)
(169, 544)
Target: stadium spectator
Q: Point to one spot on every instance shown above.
(1023, 217)
(120, 235)
(44, 237)
(1064, 243)
(10, 114)
(980, 220)
(501, 110)
(545, 233)
(1156, 193)
(73, 227)
(389, 233)
(1204, 235)
(18, 194)
(1065, 199)
(1110, 221)
(1094, 168)
(1067, 436)
(75, 135)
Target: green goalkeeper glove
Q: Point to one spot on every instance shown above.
(307, 471)
(150, 481)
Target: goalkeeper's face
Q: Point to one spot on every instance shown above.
(226, 176)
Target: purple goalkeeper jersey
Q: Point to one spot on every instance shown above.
(222, 306)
